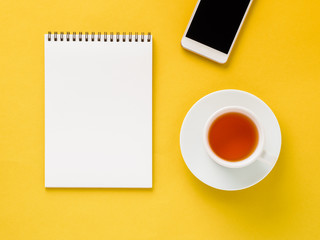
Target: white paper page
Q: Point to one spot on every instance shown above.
(98, 114)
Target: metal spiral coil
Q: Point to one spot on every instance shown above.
(117, 36)
(130, 36)
(93, 37)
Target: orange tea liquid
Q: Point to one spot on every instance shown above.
(233, 136)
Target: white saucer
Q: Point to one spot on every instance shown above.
(196, 157)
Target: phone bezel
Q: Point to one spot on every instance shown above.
(204, 50)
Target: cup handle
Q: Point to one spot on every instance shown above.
(267, 158)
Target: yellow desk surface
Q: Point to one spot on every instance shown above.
(276, 57)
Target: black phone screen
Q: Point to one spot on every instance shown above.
(216, 22)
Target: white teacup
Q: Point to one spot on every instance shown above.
(257, 154)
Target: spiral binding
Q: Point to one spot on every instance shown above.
(99, 37)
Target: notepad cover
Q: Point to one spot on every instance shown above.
(98, 114)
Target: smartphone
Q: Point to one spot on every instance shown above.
(214, 27)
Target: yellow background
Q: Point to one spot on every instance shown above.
(276, 58)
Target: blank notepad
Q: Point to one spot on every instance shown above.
(98, 110)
